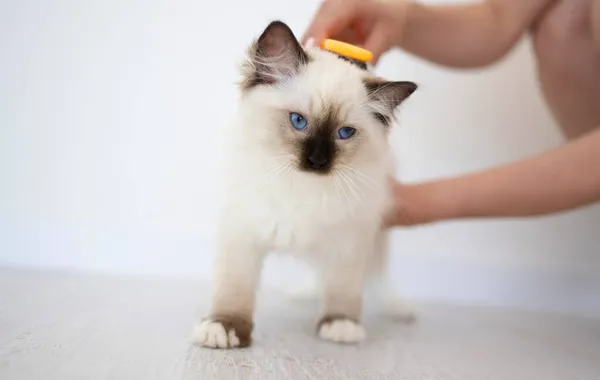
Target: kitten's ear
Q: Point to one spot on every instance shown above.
(387, 96)
(276, 55)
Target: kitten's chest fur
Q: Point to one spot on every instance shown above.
(305, 214)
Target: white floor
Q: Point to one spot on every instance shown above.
(63, 327)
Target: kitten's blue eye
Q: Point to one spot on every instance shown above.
(298, 121)
(346, 132)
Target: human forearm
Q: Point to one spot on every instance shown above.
(466, 35)
(565, 178)
(462, 35)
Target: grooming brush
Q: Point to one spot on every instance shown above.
(358, 55)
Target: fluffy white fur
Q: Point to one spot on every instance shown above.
(332, 221)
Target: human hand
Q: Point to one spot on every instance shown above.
(375, 25)
(416, 204)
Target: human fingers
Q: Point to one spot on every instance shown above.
(377, 43)
(332, 17)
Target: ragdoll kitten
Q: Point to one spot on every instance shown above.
(308, 176)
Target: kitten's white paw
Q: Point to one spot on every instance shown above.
(213, 335)
(341, 330)
(232, 332)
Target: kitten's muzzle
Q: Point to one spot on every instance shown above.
(317, 154)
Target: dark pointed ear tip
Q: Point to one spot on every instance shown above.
(277, 24)
(410, 86)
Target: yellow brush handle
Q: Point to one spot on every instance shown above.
(346, 49)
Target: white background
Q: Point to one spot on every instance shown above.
(111, 119)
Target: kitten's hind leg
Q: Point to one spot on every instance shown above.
(237, 273)
(381, 285)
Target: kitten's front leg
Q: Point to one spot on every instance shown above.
(343, 302)
(237, 274)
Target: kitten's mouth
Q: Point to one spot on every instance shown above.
(318, 162)
(317, 168)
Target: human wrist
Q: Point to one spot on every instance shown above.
(444, 201)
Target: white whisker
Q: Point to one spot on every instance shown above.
(272, 173)
(351, 187)
(341, 186)
(366, 180)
